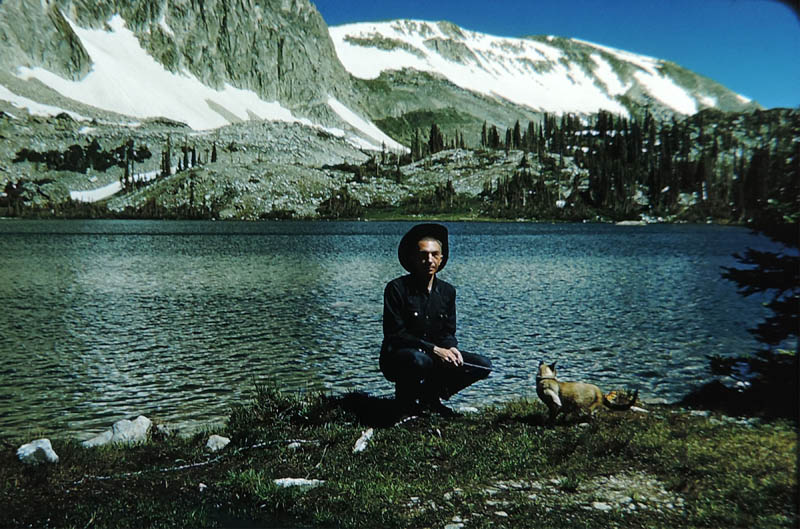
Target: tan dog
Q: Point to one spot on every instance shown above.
(572, 396)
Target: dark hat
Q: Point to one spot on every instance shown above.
(409, 243)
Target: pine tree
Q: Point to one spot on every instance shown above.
(416, 146)
(517, 136)
(494, 138)
(435, 139)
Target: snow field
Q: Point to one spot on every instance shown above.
(523, 71)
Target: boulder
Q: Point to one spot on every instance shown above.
(38, 451)
(124, 431)
(216, 443)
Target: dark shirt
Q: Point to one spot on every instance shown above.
(415, 318)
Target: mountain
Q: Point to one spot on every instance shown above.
(542, 74)
(254, 109)
(207, 63)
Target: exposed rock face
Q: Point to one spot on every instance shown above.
(280, 49)
(38, 451)
(38, 35)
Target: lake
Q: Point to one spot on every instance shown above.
(105, 319)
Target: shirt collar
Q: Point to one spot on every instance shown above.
(421, 288)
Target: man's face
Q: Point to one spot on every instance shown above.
(427, 258)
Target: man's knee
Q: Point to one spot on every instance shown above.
(405, 364)
(478, 360)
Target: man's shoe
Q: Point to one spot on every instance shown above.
(436, 406)
(407, 407)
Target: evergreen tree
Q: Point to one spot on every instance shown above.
(435, 139)
(494, 138)
(517, 136)
(530, 137)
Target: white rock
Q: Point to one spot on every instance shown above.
(468, 409)
(502, 514)
(123, 431)
(298, 482)
(38, 451)
(457, 525)
(601, 506)
(163, 430)
(639, 410)
(362, 442)
(216, 443)
(293, 446)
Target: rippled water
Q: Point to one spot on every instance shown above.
(104, 320)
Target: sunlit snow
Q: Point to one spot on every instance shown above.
(35, 108)
(363, 125)
(524, 71)
(708, 101)
(93, 195)
(125, 79)
(669, 93)
(606, 74)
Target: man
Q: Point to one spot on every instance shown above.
(419, 352)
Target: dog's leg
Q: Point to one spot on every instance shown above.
(553, 404)
(555, 399)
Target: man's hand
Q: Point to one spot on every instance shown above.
(449, 356)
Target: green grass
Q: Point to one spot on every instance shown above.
(500, 467)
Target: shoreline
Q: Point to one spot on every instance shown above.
(665, 468)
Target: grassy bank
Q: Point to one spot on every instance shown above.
(499, 467)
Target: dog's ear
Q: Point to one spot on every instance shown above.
(553, 366)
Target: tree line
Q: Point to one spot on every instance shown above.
(727, 166)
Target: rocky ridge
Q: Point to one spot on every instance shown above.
(279, 49)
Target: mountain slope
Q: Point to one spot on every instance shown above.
(206, 63)
(545, 74)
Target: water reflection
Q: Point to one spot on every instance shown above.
(105, 320)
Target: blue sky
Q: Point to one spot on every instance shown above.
(750, 46)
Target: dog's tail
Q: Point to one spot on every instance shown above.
(621, 407)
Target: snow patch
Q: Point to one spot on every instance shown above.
(707, 101)
(126, 80)
(669, 93)
(523, 71)
(101, 193)
(34, 108)
(162, 22)
(364, 126)
(606, 74)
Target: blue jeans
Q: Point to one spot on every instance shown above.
(419, 375)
